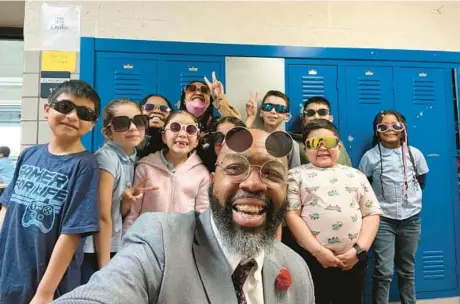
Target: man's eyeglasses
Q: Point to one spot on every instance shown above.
(311, 112)
(237, 169)
(65, 106)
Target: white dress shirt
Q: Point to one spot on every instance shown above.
(253, 286)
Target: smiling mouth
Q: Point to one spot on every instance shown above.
(249, 210)
(156, 118)
(200, 97)
(70, 126)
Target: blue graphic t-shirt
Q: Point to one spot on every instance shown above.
(49, 195)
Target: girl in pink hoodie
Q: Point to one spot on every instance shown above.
(178, 171)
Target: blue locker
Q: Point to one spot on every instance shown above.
(173, 75)
(367, 90)
(305, 81)
(121, 76)
(424, 97)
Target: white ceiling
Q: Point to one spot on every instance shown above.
(12, 13)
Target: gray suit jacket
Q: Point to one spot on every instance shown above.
(175, 259)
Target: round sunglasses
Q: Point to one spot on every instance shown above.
(268, 107)
(123, 123)
(176, 127)
(152, 106)
(395, 126)
(313, 143)
(65, 106)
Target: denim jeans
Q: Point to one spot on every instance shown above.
(395, 245)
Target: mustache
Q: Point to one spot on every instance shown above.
(248, 195)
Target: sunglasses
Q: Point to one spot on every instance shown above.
(123, 123)
(313, 143)
(311, 112)
(268, 107)
(192, 88)
(396, 126)
(151, 106)
(177, 127)
(277, 144)
(66, 106)
(217, 138)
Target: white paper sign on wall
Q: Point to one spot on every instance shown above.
(60, 27)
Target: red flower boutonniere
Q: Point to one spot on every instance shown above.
(283, 280)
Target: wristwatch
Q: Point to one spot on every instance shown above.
(360, 253)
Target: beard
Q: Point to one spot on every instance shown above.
(246, 241)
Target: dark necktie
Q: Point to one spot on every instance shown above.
(239, 276)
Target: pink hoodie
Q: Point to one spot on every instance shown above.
(182, 191)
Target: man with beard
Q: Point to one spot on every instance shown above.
(225, 255)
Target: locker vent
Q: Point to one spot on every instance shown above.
(433, 265)
(312, 85)
(128, 84)
(186, 78)
(424, 91)
(369, 91)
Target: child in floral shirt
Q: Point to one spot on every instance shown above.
(334, 216)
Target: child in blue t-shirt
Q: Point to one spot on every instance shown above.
(51, 203)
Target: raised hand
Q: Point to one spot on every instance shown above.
(216, 87)
(251, 105)
(136, 192)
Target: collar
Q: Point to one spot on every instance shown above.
(121, 153)
(234, 259)
(168, 164)
(387, 151)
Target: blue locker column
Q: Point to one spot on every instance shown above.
(424, 97)
(174, 75)
(367, 91)
(305, 81)
(121, 76)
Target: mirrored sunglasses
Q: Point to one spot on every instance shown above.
(268, 107)
(313, 143)
(65, 106)
(396, 126)
(151, 106)
(177, 127)
(192, 88)
(123, 123)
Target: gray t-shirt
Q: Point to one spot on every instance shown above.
(113, 159)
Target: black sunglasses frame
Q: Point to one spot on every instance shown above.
(162, 108)
(66, 106)
(123, 123)
(313, 112)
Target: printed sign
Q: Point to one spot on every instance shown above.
(59, 61)
(60, 27)
(50, 80)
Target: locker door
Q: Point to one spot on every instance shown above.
(305, 81)
(368, 90)
(122, 77)
(425, 99)
(173, 75)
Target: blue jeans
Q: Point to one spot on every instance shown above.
(395, 245)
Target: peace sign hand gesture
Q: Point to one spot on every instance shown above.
(217, 89)
(251, 105)
(136, 192)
